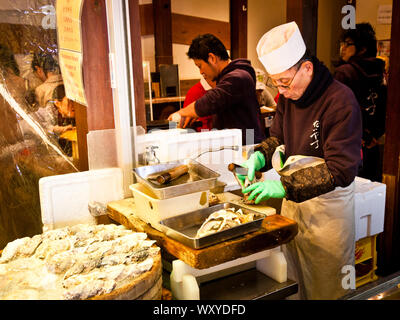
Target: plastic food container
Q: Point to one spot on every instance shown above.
(152, 210)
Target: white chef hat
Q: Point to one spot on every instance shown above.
(281, 48)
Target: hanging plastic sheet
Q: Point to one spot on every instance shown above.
(34, 112)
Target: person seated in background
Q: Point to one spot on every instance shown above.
(47, 69)
(57, 108)
(64, 106)
(196, 92)
(264, 97)
(66, 119)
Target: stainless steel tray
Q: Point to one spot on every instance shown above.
(199, 178)
(183, 228)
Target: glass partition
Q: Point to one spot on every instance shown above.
(37, 120)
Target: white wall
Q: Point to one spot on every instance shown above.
(329, 30)
(367, 11)
(209, 9)
(262, 15)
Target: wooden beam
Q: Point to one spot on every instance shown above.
(305, 14)
(238, 21)
(99, 113)
(96, 74)
(388, 253)
(186, 28)
(162, 32)
(137, 66)
(146, 19)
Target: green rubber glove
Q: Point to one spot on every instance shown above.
(254, 163)
(265, 190)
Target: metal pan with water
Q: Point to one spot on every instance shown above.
(183, 228)
(199, 178)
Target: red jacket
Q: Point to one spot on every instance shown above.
(192, 95)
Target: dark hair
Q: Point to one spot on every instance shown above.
(59, 92)
(7, 59)
(204, 44)
(45, 61)
(363, 37)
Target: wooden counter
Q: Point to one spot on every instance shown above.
(275, 231)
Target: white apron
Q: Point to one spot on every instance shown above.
(326, 235)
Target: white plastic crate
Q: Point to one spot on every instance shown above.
(369, 207)
(64, 198)
(152, 210)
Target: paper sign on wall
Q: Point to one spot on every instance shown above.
(70, 64)
(68, 14)
(384, 14)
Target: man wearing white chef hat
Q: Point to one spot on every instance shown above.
(314, 145)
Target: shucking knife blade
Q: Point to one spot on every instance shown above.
(238, 169)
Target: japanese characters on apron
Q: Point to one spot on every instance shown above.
(326, 235)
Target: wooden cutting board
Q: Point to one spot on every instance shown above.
(275, 231)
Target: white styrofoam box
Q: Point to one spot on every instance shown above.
(152, 210)
(184, 279)
(179, 144)
(64, 198)
(156, 138)
(274, 266)
(369, 207)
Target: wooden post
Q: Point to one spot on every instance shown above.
(389, 241)
(137, 66)
(305, 14)
(99, 113)
(82, 131)
(238, 22)
(162, 32)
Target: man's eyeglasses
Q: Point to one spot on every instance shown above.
(283, 82)
(346, 44)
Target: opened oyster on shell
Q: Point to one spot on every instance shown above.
(223, 219)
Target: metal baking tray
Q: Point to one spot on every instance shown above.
(199, 178)
(183, 228)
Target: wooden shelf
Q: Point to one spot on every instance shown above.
(165, 100)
